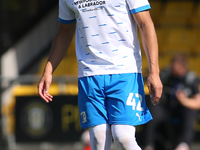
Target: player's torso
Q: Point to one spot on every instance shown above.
(106, 37)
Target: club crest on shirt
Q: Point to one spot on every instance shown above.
(83, 117)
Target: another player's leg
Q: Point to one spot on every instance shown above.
(124, 137)
(187, 132)
(100, 137)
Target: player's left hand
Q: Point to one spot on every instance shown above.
(155, 87)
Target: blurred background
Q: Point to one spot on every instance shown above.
(27, 29)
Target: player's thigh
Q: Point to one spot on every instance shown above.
(91, 101)
(126, 100)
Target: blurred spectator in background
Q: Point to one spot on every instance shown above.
(192, 103)
(176, 109)
(86, 140)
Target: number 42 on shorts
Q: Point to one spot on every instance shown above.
(132, 101)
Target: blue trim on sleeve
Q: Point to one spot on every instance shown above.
(146, 7)
(66, 21)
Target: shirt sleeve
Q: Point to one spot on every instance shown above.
(66, 15)
(136, 6)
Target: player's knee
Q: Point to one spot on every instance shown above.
(100, 137)
(121, 142)
(124, 137)
(126, 143)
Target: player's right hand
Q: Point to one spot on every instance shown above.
(155, 87)
(43, 88)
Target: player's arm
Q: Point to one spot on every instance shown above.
(150, 44)
(59, 47)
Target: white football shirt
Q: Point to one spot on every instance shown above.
(106, 34)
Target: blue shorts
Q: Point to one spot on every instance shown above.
(112, 99)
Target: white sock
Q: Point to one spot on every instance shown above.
(100, 137)
(124, 137)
